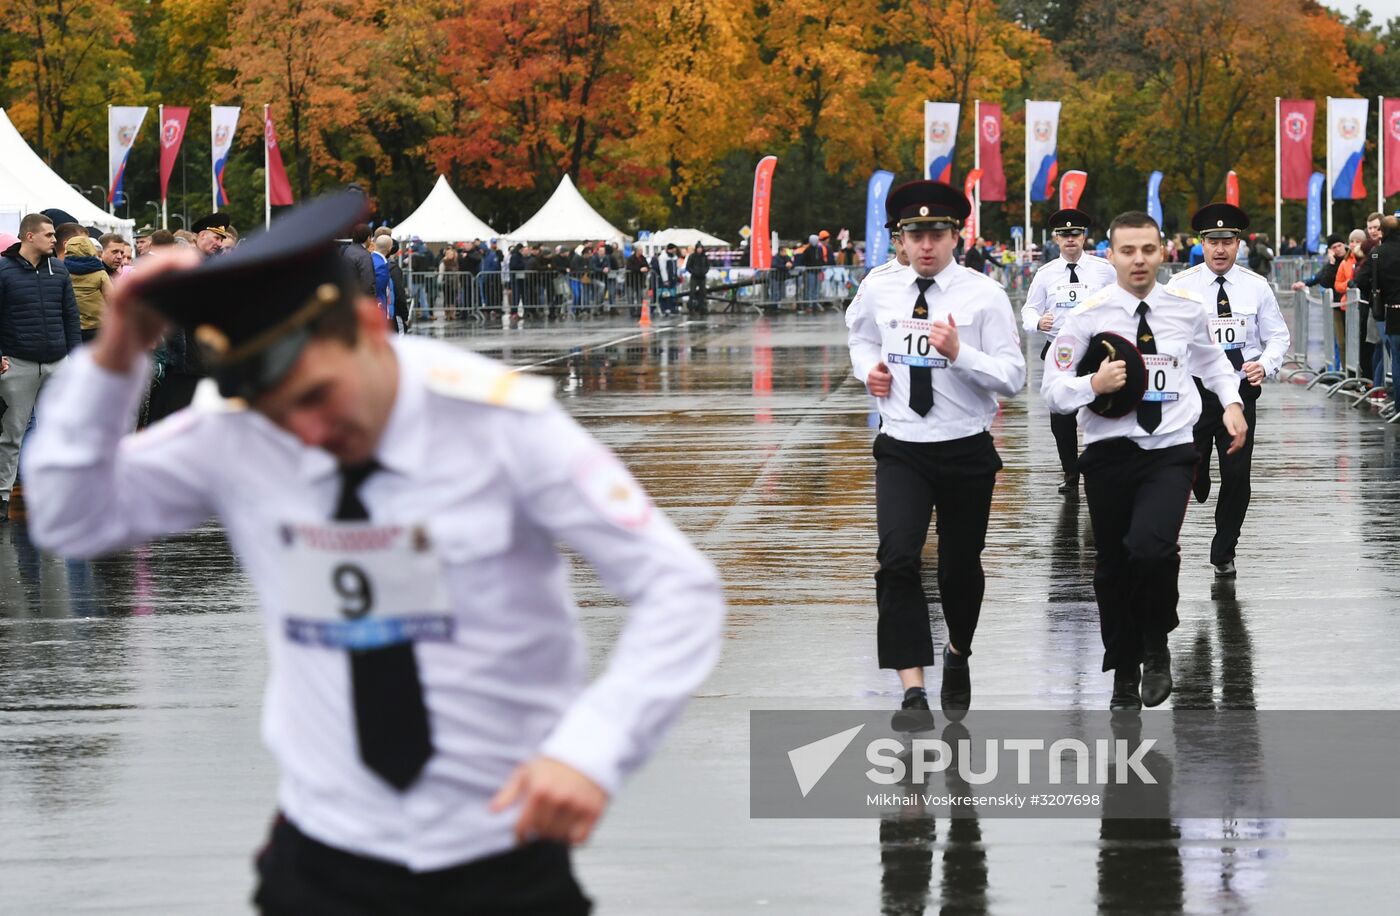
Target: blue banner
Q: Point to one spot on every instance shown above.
(877, 237)
(1315, 186)
(1154, 197)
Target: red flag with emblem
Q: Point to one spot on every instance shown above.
(1295, 141)
(279, 189)
(172, 134)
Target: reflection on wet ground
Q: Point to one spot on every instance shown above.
(132, 781)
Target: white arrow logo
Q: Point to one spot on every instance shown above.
(811, 761)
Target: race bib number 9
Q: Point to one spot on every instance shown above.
(1068, 295)
(906, 343)
(1164, 377)
(1228, 333)
(354, 585)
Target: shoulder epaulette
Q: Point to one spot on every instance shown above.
(491, 383)
(1093, 302)
(1190, 270)
(1180, 293)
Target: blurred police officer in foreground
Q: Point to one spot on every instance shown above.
(934, 343)
(1057, 287)
(397, 503)
(1139, 458)
(1244, 320)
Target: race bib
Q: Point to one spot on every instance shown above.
(1228, 333)
(1164, 377)
(1068, 295)
(906, 343)
(356, 585)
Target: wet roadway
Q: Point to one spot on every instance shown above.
(132, 780)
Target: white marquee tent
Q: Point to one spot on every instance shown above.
(442, 217)
(684, 238)
(567, 217)
(28, 185)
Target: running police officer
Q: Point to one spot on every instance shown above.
(1124, 361)
(397, 503)
(1057, 287)
(1246, 323)
(935, 343)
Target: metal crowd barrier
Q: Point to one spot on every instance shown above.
(442, 300)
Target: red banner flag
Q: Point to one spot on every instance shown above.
(760, 243)
(989, 152)
(279, 189)
(172, 134)
(970, 228)
(1072, 188)
(1295, 131)
(1390, 136)
(1232, 188)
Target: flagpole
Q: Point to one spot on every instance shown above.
(1327, 183)
(213, 167)
(111, 204)
(977, 164)
(1278, 172)
(1380, 154)
(1027, 173)
(165, 193)
(267, 179)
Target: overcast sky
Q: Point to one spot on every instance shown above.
(1381, 10)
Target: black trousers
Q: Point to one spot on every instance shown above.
(1233, 500)
(303, 877)
(1065, 428)
(913, 480)
(1137, 503)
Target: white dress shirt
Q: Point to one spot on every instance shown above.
(965, 392)
(1251, 298)
(1178, 322)
(496, 474)
(1051, 291)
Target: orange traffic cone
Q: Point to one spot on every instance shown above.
(646, 314)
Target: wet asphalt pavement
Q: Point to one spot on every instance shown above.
(132, 779)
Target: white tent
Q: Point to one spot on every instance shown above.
(684, 238)
(567, 217)
(442, 217)
(28, 185)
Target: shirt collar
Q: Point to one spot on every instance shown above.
(1231, 276)
(404, 440)
(944, 278)
(1129, 302)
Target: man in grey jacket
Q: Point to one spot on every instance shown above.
(38, 328)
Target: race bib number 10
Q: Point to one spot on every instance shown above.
(906, 343)
(1228, 333)
(1164, 377)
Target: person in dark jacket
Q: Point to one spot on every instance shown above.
(697, 266)
(361, 264)
(38, 328)
(1378, 279)
(400, 288)
(1326, 278)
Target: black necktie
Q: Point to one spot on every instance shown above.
(921, 377)
(1073, 277)
(391, 719)
(1222, 308)
(1149, 413)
